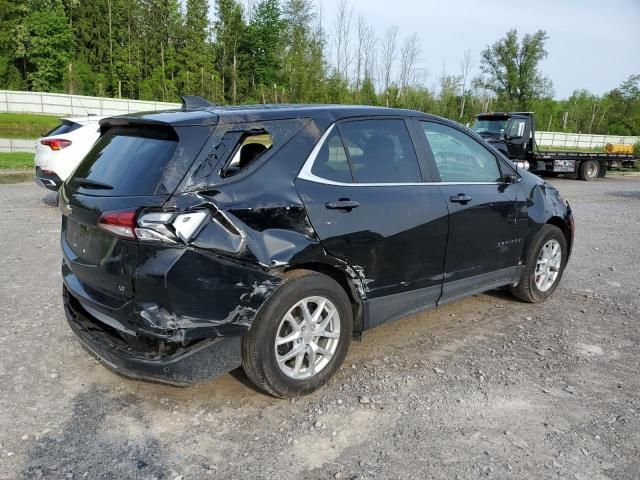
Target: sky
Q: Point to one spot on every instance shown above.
(593, 44)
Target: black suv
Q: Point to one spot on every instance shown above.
(199, 240)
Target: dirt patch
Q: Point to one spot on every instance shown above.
(487, 387)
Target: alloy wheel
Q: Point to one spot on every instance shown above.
(307, 337)
(548, 265)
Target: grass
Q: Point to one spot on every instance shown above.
(16, 160)
(26, 125)
(636, 168)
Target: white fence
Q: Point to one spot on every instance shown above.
(547, 139)
(63, 104)
(581, 140)
(17, 145)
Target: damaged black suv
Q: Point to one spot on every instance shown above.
(199, 240)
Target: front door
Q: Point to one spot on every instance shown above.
(485, 237)
(363, 191)
(517, 135)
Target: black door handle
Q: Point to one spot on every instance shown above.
(342, 204)
(460, 198)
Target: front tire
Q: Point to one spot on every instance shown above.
(300, 336)
(545, 263)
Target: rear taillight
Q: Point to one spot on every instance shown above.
(56, 143)
(165, 227)
(120, 222)
(170, 227)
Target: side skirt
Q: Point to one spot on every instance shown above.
(452, 291)
(392, 307)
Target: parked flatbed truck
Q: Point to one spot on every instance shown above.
(513, 134)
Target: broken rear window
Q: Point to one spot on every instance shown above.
(235, 147)
(251, 146)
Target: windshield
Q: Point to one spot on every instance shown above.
(494, 126)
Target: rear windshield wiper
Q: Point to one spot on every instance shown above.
(88, 183)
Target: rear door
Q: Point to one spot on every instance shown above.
(128, 169)
(485, 234)
(363, 191)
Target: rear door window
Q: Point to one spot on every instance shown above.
(331, 162)
(131, 161)
(380, 151)
(458, 157)
(65, 127)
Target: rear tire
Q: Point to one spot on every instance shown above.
(589, 170)
(541, 264)
(270, 359)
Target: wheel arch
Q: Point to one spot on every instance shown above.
(344, 280)
(565, 229)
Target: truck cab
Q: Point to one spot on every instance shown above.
(511, 133)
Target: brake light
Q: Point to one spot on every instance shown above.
(119, 222)
(56, 143)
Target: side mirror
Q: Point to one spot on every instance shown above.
(511, 178)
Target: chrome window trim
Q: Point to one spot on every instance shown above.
(306, 174)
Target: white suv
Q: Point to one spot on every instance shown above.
(60, 151)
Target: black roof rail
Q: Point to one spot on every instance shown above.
(192, 102)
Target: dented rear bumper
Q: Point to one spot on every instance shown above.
(180, 366)
(182, 325)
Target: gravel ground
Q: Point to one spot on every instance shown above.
(485, 388)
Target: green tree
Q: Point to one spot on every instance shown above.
(264, 41)
(367, 94)
(623, 104)
(196, 73)
(511, 69)
(45, 42)
(229, 29)
(12, 14)
(304, 64)
(449, 90)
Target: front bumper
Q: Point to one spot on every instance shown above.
(47, 179)
(153, 359)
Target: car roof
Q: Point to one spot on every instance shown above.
(84, 119)
(238, 113)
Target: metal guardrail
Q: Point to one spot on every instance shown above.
(64, 104)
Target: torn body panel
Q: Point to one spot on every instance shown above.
(208, 282)
(184, 323)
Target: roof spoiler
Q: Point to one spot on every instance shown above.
(192, 102)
